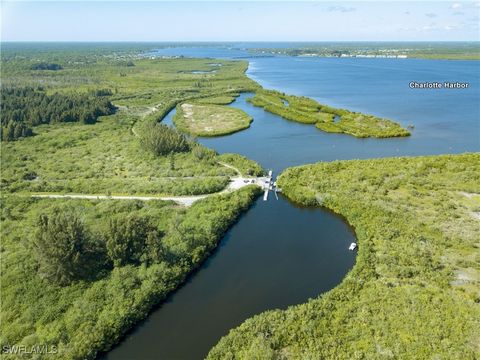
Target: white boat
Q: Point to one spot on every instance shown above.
(353, 246)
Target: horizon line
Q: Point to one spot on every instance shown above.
(228, 41)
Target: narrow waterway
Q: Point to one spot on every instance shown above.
(275, 256)
(279, 254)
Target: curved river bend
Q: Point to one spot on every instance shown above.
(279, 254)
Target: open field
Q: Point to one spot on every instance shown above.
(326, 118)
(210, 120)
(414, 291)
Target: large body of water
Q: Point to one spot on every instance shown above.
(280, 254)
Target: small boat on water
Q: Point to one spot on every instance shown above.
(353, 246)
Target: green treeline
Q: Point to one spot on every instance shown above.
(24, 108)
(87, 271)
(67, 250)
(120, 155)
(326, 118)
(413, 292)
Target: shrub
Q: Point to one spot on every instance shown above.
(161, 140)
(63, 247)
(132, 240)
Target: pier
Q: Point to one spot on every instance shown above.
(268, 185)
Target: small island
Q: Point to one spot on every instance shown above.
(329, 119)
(210, 120)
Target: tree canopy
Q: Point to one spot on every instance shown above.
(132, 240)
(24, 108)
(64, 248)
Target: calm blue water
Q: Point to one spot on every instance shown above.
(446, 121)
(280, 254)
(275, 256)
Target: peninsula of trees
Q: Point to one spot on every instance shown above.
(326, 118)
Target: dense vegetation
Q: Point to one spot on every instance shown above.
(218, 100)
(119, 154)
(82, 304)
(414, 291)
(160, 140)
(77, 274)
(210, 120)
(326, 118)
(246, 166)
(23, 108)
(105, 159)
(64, 249)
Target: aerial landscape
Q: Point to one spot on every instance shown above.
(194, 188)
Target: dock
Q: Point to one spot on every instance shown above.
(265, 195)
(270, 185)
(266, 185)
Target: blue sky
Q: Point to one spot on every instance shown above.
(239, 21)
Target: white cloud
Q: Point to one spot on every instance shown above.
(340, 9)
(456, 6)
(430, 28)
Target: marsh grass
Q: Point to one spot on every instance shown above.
(210, 120)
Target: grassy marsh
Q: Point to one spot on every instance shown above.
(210, 120)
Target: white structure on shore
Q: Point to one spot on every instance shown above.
(373, 56)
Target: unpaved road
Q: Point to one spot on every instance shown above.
(235, 184)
